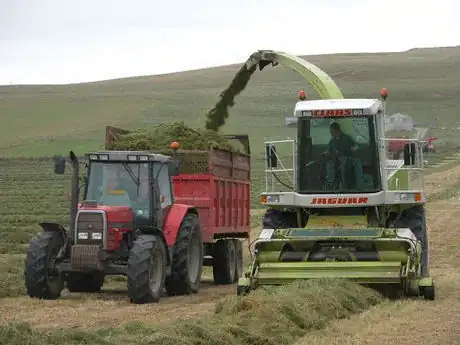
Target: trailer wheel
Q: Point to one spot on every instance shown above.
(187, 258)
(146, 269)
(225, 262)
(239, 259)
(41, 280)
(87, 283)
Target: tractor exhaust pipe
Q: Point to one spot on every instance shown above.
(74, 193)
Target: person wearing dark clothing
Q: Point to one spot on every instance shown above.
(341, 148)
(340, 143)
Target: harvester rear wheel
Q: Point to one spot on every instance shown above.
(88, 283)
(225, 262)
(239, 259)
(146, 269)
(41, 280)
(187, 259)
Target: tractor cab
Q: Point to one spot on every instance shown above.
(133, 179)
(131, 189)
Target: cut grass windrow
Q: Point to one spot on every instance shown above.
(268, 316)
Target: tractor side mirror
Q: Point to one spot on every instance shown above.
(272, 158)
(173, 166)
(59, 165)
(409, 154)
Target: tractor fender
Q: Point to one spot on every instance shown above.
(174, 219)
(54, 227)
(58, 228)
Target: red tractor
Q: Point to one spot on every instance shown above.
(127, 224)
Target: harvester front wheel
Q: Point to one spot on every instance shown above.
(275, 219)
(429, 293)
(242, 290)
(225, 262)
(87, 283)
(414, 219)
(41, 279)
(187, 258)
(146, 269)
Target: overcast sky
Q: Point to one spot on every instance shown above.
(63, 41)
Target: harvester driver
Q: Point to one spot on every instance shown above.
(341, 148)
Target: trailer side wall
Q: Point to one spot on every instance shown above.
(223, 204)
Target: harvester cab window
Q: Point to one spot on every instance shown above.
(337, 155)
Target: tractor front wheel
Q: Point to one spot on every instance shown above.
(187, 258)
(146, 269)
(41, 279)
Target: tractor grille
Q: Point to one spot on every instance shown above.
(90, 228)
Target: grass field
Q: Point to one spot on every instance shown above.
(45, 120)
(109, 319)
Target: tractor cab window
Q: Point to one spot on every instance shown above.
(119, 184)
(161, 174)
(337, 155)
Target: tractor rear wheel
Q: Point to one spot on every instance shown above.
(225, 262)
(187, 258)
(41, 279)
(81, 282)
(146, 269)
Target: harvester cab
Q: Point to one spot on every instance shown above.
(338, 207)
(126, 224)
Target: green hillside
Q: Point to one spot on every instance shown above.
(45, 120)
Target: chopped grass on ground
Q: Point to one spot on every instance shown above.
(273, 315)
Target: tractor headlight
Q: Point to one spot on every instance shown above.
(96, 235)
(82, 235)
